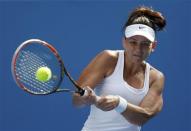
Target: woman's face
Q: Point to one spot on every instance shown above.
(138, 48)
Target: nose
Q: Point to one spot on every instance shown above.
(138, 49)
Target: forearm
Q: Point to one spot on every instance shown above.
(149, 106)
(137, 115)
(140, 114)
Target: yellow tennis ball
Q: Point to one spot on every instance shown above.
(43, 74)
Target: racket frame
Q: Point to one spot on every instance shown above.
(62, 70)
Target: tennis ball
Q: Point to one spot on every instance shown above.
(43, 74)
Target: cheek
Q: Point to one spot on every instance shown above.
(147, 53)
(125, 46)
(129, 49)
(148, 49)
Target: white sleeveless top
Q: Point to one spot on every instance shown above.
(114, 84)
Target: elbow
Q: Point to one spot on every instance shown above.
(142, 118)
(145, 115)
(149, 114)
(76, 102)
(142, 121)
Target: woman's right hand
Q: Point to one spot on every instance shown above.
(88, 98)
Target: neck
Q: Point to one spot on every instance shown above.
(132, 68)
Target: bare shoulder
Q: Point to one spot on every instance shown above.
(98, 68)
(156, 74)
(108, 54)
(103, 63)
(109, 58)
(157, 78)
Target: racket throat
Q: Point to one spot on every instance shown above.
(80, 91)
(65, 90)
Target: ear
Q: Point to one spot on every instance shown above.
(124, 41)
(154, 44)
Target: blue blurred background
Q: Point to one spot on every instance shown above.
(80, 30)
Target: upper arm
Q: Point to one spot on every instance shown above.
(153, 101)
(97, 69)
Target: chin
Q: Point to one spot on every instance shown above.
(137, 59)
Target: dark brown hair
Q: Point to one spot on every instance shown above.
(147, 16)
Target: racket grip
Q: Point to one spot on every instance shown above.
(82, 92)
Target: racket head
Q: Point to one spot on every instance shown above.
(28, 58)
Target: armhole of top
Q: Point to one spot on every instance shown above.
(147, 75)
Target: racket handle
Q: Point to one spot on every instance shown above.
(64, 90)
(82, 92)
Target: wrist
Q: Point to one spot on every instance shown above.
(122, 106)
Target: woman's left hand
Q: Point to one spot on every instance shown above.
(107, 103)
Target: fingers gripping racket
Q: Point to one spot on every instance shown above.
(29, 57)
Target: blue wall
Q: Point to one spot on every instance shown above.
(79, 30)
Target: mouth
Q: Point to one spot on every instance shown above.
(136, 55)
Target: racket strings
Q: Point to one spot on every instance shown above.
(27, 65)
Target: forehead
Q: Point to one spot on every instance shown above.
(139, 38)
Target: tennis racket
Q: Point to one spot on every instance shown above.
(30, 56)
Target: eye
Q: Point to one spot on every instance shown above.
(132, 42)
(146, 43)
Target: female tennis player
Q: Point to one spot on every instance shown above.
(129, 88)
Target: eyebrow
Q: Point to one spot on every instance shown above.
(132, 39)
(141, 41)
